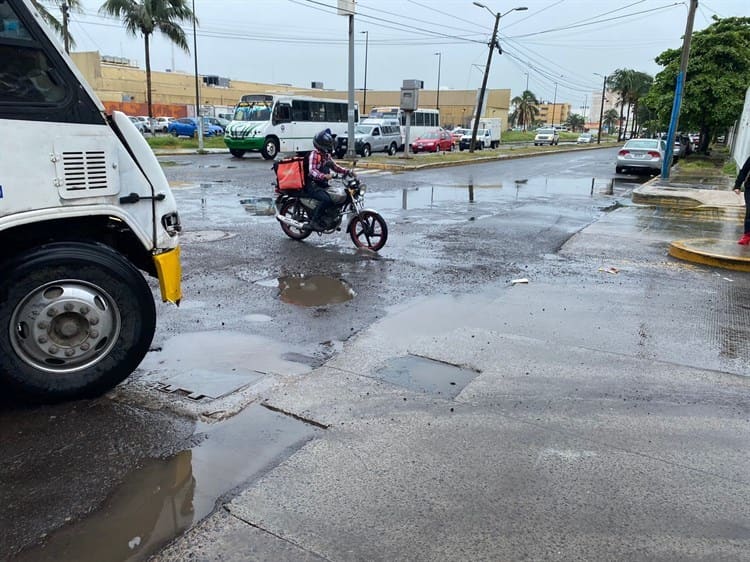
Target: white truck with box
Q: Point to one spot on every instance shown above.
(85, 212)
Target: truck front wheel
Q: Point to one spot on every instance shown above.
(75, 320)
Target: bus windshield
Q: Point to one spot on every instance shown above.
(252, 111)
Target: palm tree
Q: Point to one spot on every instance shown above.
(639, 86)
(609, 118)
(575, 121)
(620, 81)
(147, 16)
(52, 20)
(526, 108)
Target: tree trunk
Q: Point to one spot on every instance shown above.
(148, 78)
(625, 128)
(619, 123)
(633, 127)
(705, 139)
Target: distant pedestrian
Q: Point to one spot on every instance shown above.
(742, 183)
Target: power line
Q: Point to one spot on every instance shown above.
(446, 13)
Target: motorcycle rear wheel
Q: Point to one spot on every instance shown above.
(296, 211)
(368, 230)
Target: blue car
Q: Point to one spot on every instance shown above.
(188, 127)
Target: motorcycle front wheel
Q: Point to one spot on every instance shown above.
(368, 230)
(294, 210)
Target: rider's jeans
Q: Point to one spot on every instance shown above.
(319, 193)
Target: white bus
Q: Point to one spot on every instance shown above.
(422, 120)
(273, 123)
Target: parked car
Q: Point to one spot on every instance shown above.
(457, 133)
(546, 136)
(695, 139)
(484, 140)
(585, 138)
(215, 122)
(161, 124)
(434, 141)
(138, 124)
(679, 150)
(188, 127)
(372, 135)
(642, 155)
(146, 124)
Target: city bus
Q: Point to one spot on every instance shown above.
(422, 120)
(274, 123)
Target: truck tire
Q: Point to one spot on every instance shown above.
(75, 320)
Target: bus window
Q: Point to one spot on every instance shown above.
(300, 110)
(282, 114)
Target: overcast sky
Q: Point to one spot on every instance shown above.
(298, 41)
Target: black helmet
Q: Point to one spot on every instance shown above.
(323, 141)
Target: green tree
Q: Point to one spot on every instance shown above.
(146, 17)
(575, 121)
(50, 16)
(620, 81)
(640, 84)
(609, 119)
(718, 75)
(526, 109)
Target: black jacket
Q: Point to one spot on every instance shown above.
(743, 175)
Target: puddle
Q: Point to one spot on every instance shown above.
(259, 206)
(477, 192)
(165, 497)
(210, 365)
(425, 375)
(314, 290)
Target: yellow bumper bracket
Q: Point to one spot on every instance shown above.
(170, 272)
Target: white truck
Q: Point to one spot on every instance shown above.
(85, 211)
(488, 134)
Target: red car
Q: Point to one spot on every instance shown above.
(433, 142)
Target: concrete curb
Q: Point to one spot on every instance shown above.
(711, 252)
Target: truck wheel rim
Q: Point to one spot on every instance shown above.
(65, 326)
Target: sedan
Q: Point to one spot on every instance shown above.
(641, 154)
(585, 138)
(188, 127)
(138, 124)
(433, 142)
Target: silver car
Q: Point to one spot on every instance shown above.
(641, 154)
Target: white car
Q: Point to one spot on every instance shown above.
(161, 124)
(146, 125)
(585, 138)
(546, 136)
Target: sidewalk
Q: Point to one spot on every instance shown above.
(703, 192)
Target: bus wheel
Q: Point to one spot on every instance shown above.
(270, 149)
(75, 320)
(236, 152)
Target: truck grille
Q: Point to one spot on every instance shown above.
(85, 170)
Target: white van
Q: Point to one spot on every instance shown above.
(548, 136)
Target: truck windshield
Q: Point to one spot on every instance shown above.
(253, 111)
(546, 131)
(362, 130)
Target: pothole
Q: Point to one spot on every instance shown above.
(426, 375)
(314, 290)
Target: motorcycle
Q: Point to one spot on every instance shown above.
(366, 227)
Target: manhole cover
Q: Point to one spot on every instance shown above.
(425, 375)
(197, 236)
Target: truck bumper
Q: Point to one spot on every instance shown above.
(169, 271)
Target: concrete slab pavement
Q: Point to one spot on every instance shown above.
(710, 195)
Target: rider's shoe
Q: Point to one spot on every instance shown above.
(313, 225)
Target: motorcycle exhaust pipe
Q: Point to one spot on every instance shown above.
(290, 222)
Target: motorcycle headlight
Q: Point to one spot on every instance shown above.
(362, 189)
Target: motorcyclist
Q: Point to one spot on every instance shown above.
(320, 166)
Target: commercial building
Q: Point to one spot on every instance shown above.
(121, 85)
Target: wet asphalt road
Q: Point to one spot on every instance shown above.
(60, 464)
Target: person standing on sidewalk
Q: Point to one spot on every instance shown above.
(742, 183)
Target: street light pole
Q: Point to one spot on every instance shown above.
(601, 109)
(364, 101)
(440, 60)
(493, 43)
(554, 105)
(198, 113)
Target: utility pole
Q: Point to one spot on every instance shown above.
(367, 40)
(679, 86)
(554, 104)
(480, 102)
(527, 81)
(198, 113)
(440, 60)
(601, 112)
(66, 33)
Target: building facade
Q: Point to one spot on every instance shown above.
(121, 85)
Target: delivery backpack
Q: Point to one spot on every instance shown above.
(291, 173)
